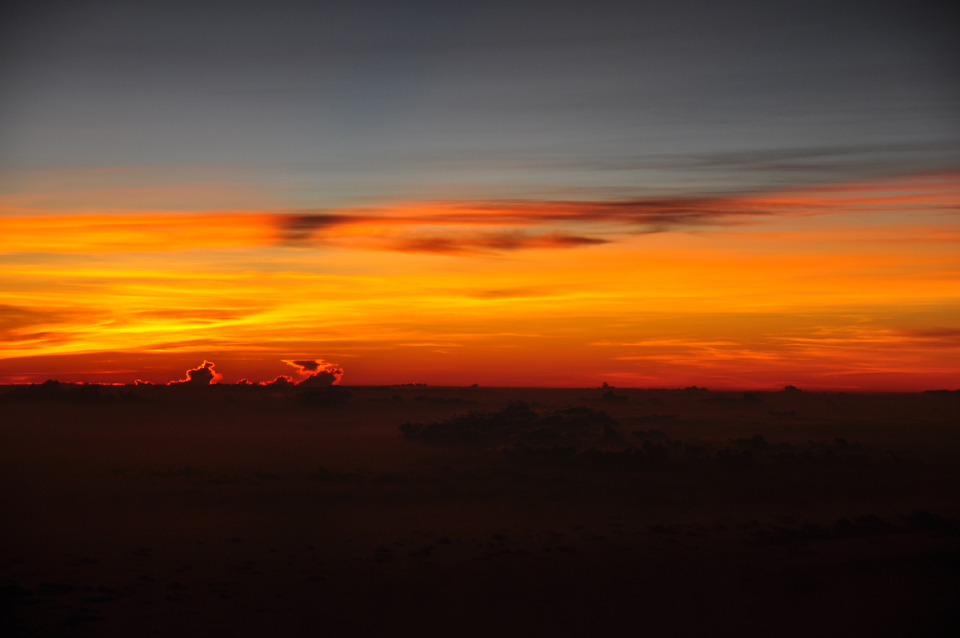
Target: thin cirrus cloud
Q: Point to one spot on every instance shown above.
(466, 227)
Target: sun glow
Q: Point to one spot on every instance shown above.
(843, 286)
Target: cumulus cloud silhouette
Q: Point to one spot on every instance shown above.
(204, 374)
(282, 381)
(323, 378)
(319, 373)
(306, 365)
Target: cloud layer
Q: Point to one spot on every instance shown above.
(467, 227)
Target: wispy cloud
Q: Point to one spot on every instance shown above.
(464, 227)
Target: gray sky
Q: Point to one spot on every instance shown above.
(326, 104)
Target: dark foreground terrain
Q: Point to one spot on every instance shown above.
(254, 511)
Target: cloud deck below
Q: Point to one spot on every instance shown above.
(232, 510)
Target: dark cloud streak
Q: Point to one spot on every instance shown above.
(539, 219)
(497, 243)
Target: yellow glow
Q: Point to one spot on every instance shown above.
(853, 286)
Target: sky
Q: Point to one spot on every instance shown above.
(730, 195)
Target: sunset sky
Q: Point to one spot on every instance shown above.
(731, 195)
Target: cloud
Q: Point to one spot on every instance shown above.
(516, 424)
(453, 227)
(401, 229)
(459, 244)
(306, 365)
(21, 325)
(466, 227)
(796, 165)
(320, 374)
(301, 227)
(947, 336)
(324, 378)
(281, 380)
(202, 375)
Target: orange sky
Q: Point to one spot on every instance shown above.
(848, 286)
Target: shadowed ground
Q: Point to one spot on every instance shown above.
(414, 510)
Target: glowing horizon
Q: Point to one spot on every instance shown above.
(509, 194)
(846, 286)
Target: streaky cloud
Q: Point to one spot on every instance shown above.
(447, 245)
(466, 227)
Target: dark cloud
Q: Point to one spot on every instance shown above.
(452, 245)
(308, 365)
(303, 227)
(310, 227)
(793, 167)
(323, 374)
(204, 374)
(52, 391)
(517, 424)
(281, 381)
(323, 378)
(523, 225)
(467, 226)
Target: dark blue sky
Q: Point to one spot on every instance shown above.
(327, 104)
